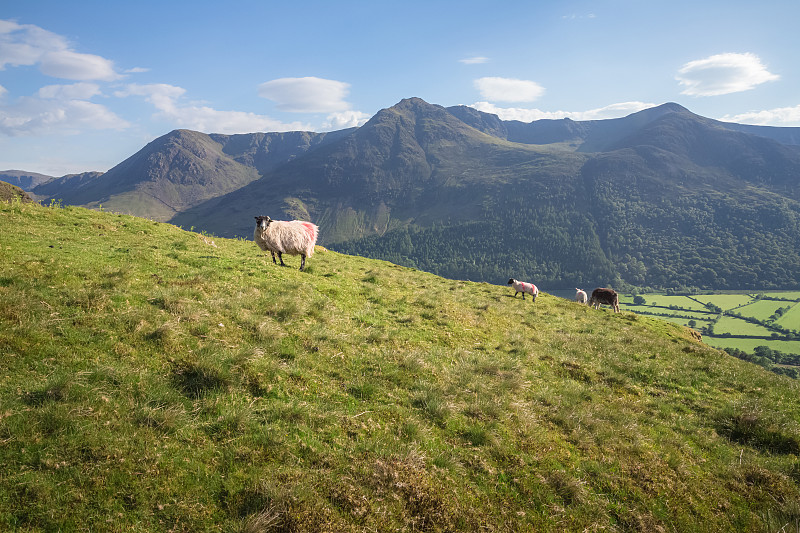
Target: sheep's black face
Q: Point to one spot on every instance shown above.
(262, 222)
(511, 281)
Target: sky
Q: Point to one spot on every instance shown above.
(85, 84)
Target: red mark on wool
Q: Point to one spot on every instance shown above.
(311, 230)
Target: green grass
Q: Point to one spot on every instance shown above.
(724, 301)
(749, 345)
(763, 309)
(156, 379)
(663, 300)
(728, 324)
(791, 318)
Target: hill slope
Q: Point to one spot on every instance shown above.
(155, 379)
(9, 193)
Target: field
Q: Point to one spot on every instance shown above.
(156, 379)
(744, 320)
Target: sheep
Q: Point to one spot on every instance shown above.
(605, 296)
(521, 286)
(294, 237)
(580, 296)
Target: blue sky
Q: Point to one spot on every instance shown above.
(86, 84)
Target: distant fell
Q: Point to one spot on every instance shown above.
(662, 198)
(24, 179)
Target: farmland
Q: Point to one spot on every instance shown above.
(739, 321)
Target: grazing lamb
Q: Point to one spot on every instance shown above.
(521, 286)
(580, 296)
(282, 237)
(605, 296)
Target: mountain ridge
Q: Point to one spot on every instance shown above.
(450, 186)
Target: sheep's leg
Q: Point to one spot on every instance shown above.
(280, 256)
(523, 295)
(302, 261)
(273, 257)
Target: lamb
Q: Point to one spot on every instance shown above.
(521, 286)
(605, 296)
(580, 296)
(294, 237)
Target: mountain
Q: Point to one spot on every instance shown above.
(182, 169)
(24, 180)
(662, 198)
(598, 135)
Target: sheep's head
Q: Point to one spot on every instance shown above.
(262, 222)
(512, 280)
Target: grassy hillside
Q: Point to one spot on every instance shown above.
(9, 192)
(156, 379)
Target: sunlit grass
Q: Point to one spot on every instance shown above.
(153, 381)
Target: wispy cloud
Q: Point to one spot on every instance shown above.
(780, 116)
(723, 74)
(529, 115)
(477, 60)
(576, 16)
(76, 91)
(167, 101)
(314, 95)
(26, 45)
(54, 109)
(508, 89)
(57, 110)
(307, 95)
(344, 119)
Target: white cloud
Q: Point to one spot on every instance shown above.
(76, 91)
(161, 95)
(345, 119)
(474, 60)
(74, 66)
(307, 95)
(780, 116)
(508, 89)
(48, 116)
(529, 115)
(26, 44)
(165, 98)
(723, 74)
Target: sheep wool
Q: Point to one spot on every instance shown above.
(521, 286)
(295, 237)
(580, 296)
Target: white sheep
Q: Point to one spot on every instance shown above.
(580, 296)
(521, 286)
(294, 237)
